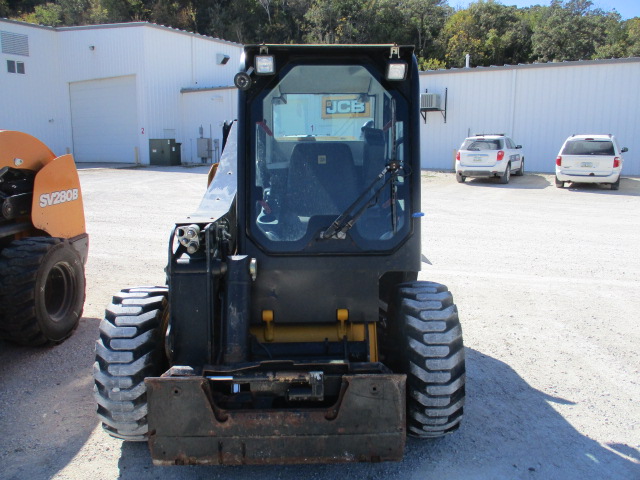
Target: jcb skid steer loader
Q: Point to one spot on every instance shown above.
(293, 328)
(43, 242)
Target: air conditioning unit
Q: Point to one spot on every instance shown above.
(429, 101)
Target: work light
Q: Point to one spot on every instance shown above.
(396, 70)
(265, 65)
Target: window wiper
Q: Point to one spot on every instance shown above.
(343, 223)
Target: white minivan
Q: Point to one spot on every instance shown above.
(590, 159)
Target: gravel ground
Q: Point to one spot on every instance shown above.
(547, 282)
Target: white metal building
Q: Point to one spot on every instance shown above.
(103, 91)
(539, 105)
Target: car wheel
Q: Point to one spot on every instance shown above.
(616, 185)
(559, 184)
(520, 171)
(460, 178)
(504, 179)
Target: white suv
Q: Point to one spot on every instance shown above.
(489, 156)
(590, 159)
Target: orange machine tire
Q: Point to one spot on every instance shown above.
(42, 290)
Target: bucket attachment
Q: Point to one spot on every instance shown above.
(188, 425)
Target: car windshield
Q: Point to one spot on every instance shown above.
(588, 147)
(321, 137)
(481, 144)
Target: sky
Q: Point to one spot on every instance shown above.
(626, 8)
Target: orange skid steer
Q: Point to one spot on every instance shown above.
(43, 242)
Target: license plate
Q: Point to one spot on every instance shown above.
(586, 164)
(477, 159)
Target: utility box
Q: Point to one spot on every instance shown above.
(204, 148)
(164, 151)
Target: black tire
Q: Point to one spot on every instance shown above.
(520, 171)
(559, 183)
(460, 178)
(431, 354)
(130, 348)
(42, 290)
(616, 185)
(504, 178)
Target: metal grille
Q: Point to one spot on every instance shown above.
(429, 101)
(14, 43)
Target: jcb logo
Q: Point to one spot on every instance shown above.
(55, 198)
(344, 106)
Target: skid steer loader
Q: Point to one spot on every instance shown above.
(293, 328)
(43, 242)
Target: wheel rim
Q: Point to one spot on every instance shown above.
(59, 291)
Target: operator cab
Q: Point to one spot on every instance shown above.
(321, 143)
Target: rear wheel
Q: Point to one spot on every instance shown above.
(42, 290)
(616, 185)
(504, 179)
(559, 183)
(430, 352)
(460, 178)
(130, 348)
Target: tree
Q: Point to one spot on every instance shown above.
(632, 28)
(491, 33)
(463, 38)
(569, 30)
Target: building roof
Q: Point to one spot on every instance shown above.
(120, 25)
(493, 68)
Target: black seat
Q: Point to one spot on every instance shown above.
(322, 181)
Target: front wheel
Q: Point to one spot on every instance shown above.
(42, 287)
(431, 354)
(520, 171)
(131, 347)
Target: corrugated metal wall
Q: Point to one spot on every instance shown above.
(164, 62)
(208, 109)
(538, 105)
(178, 62)
(33, 102)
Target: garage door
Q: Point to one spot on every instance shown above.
(104, 119)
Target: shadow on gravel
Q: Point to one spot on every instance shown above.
(529, 181)
(510, 431)
(629, 187)
(47, 410)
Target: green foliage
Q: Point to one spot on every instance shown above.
(492, 33)
(431, 64)
(569, 30)
(47, 14)
(4, 9)
(632, 29)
